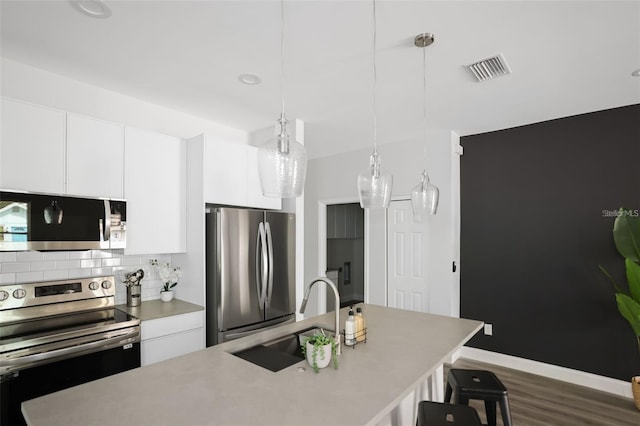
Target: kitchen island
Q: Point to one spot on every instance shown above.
(377, 382)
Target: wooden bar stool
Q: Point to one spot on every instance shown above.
(442, 414)
(463, 385)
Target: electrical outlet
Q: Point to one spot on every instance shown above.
(488, 329)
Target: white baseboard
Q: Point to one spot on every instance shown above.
(605, 384)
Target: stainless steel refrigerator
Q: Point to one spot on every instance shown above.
(250, 257)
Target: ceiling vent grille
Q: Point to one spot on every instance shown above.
(490, 68)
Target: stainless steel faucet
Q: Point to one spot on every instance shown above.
(305, 299)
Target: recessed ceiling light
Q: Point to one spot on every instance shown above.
(92, 8)
(636, 73)
(249, 79)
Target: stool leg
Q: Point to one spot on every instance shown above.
(506, 412)
(490, 408)
(447, 395)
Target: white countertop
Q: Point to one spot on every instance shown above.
(214, 387)
(154, 309)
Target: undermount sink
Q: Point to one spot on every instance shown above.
(280, 352)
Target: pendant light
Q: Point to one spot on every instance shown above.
(425, 195)
(282, 161)
(374, 183)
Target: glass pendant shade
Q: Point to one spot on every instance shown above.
(374, 185)
(282, 165)
(424, 198)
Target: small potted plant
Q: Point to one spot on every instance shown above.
(169, 274)
(319, 350)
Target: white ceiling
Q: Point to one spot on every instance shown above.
(567, 58)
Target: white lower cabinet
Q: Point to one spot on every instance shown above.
(169, 337)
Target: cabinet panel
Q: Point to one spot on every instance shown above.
(225, 173)
(95, 163)
(155, 189)
(172, 336)
(32, 148)
(151, 329)
(331, 221)
(171, 346)
(341, 213)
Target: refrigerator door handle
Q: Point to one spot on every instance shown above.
(261, 265)
(261, 261)
(270, 254)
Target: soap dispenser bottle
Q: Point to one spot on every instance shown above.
(361, 326)
(350, 329)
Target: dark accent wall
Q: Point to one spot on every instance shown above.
(534, 227)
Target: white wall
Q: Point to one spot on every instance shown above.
(334, 178)
(29, 84)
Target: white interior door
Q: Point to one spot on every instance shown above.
(408, 286)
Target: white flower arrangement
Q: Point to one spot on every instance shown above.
(169, 274)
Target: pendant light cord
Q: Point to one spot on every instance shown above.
(375, 83)
(282, 55)
(424, 105)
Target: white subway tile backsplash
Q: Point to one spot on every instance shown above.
(29, 277)
(43, 266)
(28, 256)
(115, 261)
(68, 264)
(100, 254)
(15, 267)
(79, 273)
(90, 263)
(56, 275)
(80, 254)
(55, 255)
(131, 260)
(33, 266)
(101, 272)
(9, 256)
(8, 278)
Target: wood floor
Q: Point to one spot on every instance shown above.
(540, 401)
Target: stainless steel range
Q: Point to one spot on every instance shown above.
(58, 334)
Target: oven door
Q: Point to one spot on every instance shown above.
(38, 374)
(44, 379)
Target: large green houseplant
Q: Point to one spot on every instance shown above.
(626, 235)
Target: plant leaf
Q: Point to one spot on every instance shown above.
(630, 310)
(608, 275)
(633, 278)
(626, 234)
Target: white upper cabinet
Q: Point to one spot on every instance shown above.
(231, 176)
(95, 163)
(155, 189)
(225, 173)
(32, 148)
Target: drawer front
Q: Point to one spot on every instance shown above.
(162, 348)
(171, 325)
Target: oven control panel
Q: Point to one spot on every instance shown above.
(44, 293)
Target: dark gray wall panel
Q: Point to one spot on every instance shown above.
(533, 232)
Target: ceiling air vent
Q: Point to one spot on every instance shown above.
(489, 68)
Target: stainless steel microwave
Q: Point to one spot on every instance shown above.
(44, 222)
